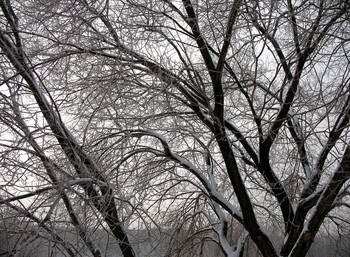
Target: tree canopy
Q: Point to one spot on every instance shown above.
(194, 126)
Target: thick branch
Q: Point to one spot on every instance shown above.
(341, 123)
(227, 39)
(82, 163)
(324, 205)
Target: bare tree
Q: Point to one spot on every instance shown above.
(205, 125)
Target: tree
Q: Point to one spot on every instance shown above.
(204, 123)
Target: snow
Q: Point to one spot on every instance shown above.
(229, 250)
(219, 202)
(209, 185)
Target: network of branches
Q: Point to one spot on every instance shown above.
(174, 128)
